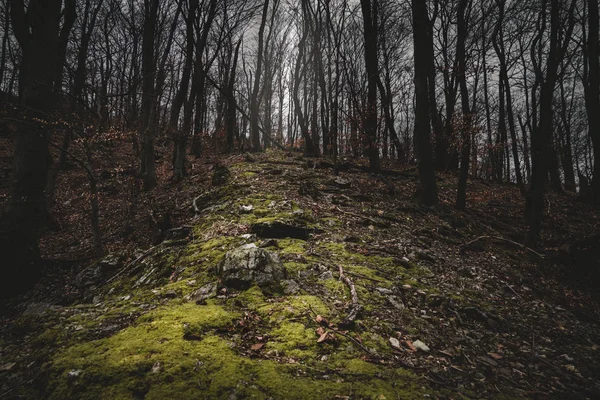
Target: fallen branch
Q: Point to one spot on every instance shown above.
(131, 264)
(464, 247)
(371, 220)
(356, 307)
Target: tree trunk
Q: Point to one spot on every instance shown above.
(593, 95)
(231, 102)
(466, 111)
(254, 100)
(541, 140)
(147, 162)
(37, 33)
(369, 11)
(423, 64)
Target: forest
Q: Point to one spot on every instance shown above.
(299, 199)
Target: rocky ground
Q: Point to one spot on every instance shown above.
(281, 279)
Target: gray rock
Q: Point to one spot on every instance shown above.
(396, 302)
(205, 292)
(326, 276)
(144, 279)
(73, 374)
(156, 368)
(97, 272)
(342, 183)
(383, 290)
(36, 309)
(290, 286)
(421, 346)
(246, 265)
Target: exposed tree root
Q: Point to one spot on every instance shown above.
(356, 307)
(464, 247)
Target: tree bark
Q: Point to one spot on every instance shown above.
(147, 162)
(466, 110)
(37, 32)
(254, 100)
(423, 64)
(593, 95)
(369, 11)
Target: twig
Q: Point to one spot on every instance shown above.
(365, 277)
(511, 289)
(356, 307)
(125, 268)
(371, 220)
(463, 247)
(359, 344)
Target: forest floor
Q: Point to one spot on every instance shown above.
(451, 305)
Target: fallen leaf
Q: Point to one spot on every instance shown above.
(323, 337)
(257, 346)
(7, 366)
(322, 320)
(495, 356)
(320, 330)
(409, 344)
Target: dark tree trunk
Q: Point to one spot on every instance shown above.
(369, 11)
(564, 141)
(181, 95)
(147, 163)
(299, 72)
(231, 102)
(254, 100)
(541, 139)
(593, 95)
(423, 64)
(466, 111)
(37, 32)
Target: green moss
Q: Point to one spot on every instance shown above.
(121, 366)
(335, 287)
(294, 339)
(293, 307)
(329, 222)
(50, 337)
(247, 174)
(207, 254)
(292, 246)
(251, 298)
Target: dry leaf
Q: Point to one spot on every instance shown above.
(323, 337)
(257, 346)
(320, 331)
(7, 366)
(410, 345)
(495, 356)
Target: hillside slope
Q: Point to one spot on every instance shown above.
(431, 304)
